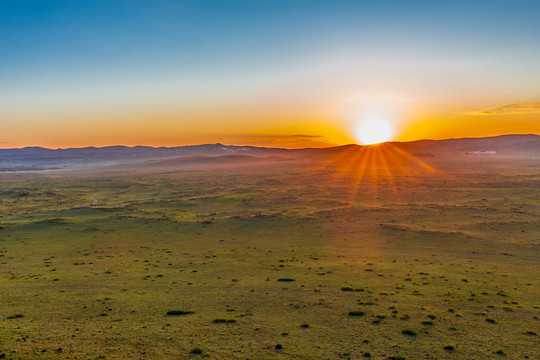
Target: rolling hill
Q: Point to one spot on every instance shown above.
(38, 158)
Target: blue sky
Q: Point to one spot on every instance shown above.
(305, 59)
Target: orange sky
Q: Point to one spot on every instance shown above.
(314, 125)
(274, 73)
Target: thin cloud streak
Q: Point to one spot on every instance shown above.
(295, 136)
(517, 108)
(290, 141)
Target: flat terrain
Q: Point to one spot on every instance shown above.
(431, 258)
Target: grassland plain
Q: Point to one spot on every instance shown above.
(290, 261)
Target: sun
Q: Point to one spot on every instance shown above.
(374, 131)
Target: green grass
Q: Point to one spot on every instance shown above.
(146, 271)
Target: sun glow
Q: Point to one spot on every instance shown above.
(374, 131)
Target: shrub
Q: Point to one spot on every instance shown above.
(179, 312)
(16, 316)
(408, 332)
(223, 321)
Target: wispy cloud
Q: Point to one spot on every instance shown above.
(295, 136)
(517, 108)
(287, 140)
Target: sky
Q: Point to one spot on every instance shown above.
(285, 73)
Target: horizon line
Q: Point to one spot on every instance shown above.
(262, 147)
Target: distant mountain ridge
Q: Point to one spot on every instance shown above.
(32, 158)
(512, 142)
(123, 152)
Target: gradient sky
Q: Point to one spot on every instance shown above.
(278, 72)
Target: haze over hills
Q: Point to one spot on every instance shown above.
(38, 158)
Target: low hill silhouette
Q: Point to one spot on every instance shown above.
(38, 158)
